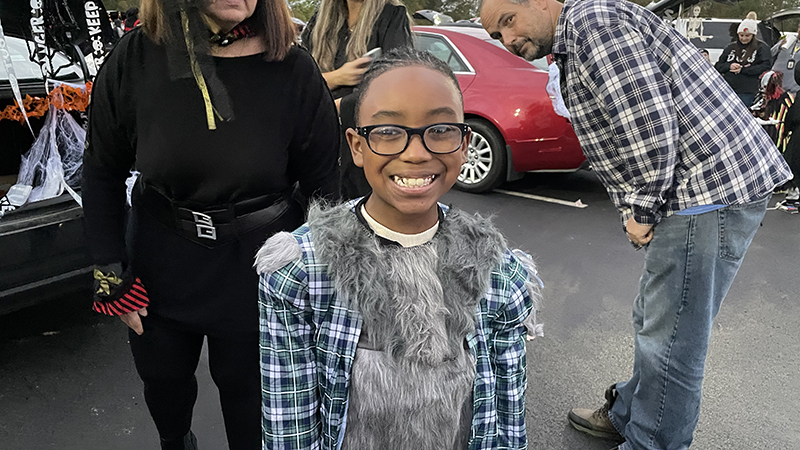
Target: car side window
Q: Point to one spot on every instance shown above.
(441, 49)
(715, 35)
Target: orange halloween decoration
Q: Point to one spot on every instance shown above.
(62, 97)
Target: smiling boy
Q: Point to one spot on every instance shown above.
(393, 321)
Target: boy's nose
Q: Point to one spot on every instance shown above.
(416, 150)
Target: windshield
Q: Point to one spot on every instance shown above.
(540, 63)
(26, 69)
(787, 25)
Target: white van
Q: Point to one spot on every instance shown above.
(711, 34)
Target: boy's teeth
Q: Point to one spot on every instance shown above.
(413, 182)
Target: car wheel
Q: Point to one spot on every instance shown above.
(485, 168)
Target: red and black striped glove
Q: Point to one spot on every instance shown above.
(115, 295)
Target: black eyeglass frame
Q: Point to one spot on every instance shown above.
(420, 131)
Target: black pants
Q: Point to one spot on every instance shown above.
(792, 152)
(166, 358)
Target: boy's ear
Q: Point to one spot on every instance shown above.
(356, 147)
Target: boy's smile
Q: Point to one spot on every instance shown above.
(406, 186)
(413, 182)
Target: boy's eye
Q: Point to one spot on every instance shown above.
(386, 133)
(443, 132)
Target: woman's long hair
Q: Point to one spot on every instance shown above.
(750, 48)
(774, 85)
(331, 18)
(271, 20)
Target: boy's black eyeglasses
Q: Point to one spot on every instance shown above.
(390, 140)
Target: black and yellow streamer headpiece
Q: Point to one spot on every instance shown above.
(189, 57)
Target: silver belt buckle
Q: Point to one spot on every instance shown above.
(205, 226)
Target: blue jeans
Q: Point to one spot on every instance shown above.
(689, 267)
(747, 99)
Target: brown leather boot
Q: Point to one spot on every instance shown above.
(596, 422)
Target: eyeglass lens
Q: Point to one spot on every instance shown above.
(390, 140)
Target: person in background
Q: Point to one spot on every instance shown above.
(772, 104)
(299, 26)
(791, 154)
(787, 59)
(743, 61)
(338, 36)
(117, 23)
(131, 19)
(223, 116)
(704, 52)
(690, 172)
(787, 54)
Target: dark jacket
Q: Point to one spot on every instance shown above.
(747, 81)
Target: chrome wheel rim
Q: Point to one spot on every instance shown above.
(479, 160)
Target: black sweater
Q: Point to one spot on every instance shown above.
(747, 81)
(285, 130)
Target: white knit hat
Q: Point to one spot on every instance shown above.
(748, 26)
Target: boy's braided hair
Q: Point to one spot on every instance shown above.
(402, 57)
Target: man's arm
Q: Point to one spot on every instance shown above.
(636, 100)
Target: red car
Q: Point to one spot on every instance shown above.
(514, 127)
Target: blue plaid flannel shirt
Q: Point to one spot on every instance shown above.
(309, 339)
(660, 126)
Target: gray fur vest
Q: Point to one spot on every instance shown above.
(417, 303)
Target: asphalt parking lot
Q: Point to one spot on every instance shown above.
(67, 379)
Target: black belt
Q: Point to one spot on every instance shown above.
(212, 225)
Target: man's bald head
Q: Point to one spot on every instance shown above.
(518, 2)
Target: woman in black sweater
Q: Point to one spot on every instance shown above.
(743, 61)
(338, 36)
(222, 129)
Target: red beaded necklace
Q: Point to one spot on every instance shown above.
(241, 31)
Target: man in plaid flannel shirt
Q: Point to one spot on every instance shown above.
(689, 170)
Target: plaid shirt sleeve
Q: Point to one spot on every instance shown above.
(290, 401)
(636, 108)
(508, 355)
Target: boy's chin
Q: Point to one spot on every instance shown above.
(415, 208)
